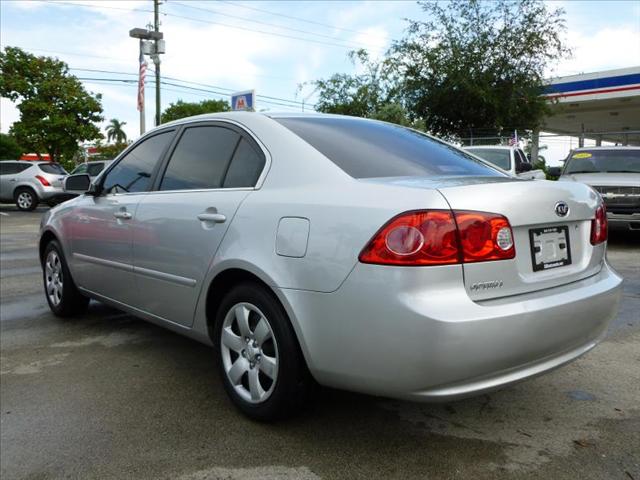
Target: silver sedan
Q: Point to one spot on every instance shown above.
(334, 250)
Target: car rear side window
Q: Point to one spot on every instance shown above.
(367, 149)
(134, 171)
(200, 159)
(52, 168)
(245, 168)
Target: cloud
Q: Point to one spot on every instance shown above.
(8, 114)
(604, 49)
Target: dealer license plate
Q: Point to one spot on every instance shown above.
(550, 247)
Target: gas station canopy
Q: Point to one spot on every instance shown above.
(601, 106)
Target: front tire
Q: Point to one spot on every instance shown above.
(26, 199)
(260, 362)
(62, 295)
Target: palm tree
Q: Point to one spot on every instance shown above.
(115, 132)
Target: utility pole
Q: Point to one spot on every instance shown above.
(156, 57)
(142, 109)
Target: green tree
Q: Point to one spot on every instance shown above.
(181, 109)
(56, 112)
(109, 152)
(9, 148)
(373, 93)
(115, 131)
(477, 65)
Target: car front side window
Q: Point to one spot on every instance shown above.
(8, 168)
(133, 173)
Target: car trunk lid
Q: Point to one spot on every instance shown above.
(551, 249)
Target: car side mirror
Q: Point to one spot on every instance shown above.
(77, 184)
(524, 167)
(555, 171)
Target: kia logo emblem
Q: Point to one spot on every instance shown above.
(562, 209)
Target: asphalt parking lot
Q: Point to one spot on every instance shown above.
(110, 396)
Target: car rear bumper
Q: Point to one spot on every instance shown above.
(414, 333)
(629, 221)
(50, 193)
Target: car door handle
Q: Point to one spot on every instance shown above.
(122, 215)
(212, 217)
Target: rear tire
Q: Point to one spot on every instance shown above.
(260, 362)
(26, 199)
(62, 295)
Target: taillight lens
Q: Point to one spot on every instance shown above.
(415, 238)
(484, 236)
(440, 237)
(599, 226)
(43, 181)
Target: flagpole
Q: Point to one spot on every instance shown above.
(141, 107)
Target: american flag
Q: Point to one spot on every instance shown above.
(513, 141)
(141, 77)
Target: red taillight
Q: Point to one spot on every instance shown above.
(599, 226)
(485, 236)
(415, 238)
(436, 237)
(43, 181)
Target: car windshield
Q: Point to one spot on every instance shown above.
(500, 157)
(53, 168)
(594, 161)
(368, 149)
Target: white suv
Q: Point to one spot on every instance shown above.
(29, 183)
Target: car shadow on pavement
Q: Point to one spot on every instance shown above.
(156, 399)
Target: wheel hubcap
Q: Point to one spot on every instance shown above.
(25, 200)
(53, 277)
(249, 352)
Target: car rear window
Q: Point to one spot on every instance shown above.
(53, 168)
(368, 149)
(594, 161)
(500, 157)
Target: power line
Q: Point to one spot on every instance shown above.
(126, 81)
(229, 90)
(291, 17)
(225, 92)
(199, 20)
(247, 29)
(306, 32)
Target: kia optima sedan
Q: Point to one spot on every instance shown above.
(347, 252)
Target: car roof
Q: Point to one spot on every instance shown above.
(243, 116)
(27, 162)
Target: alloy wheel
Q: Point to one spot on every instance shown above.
(249, 352)
(25, 200)
(53, 277)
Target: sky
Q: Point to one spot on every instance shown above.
(273, 47)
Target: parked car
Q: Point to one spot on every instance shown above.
(93, 168)
(28, 183)
(509, 159)
(355, 253)
(615, 173)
